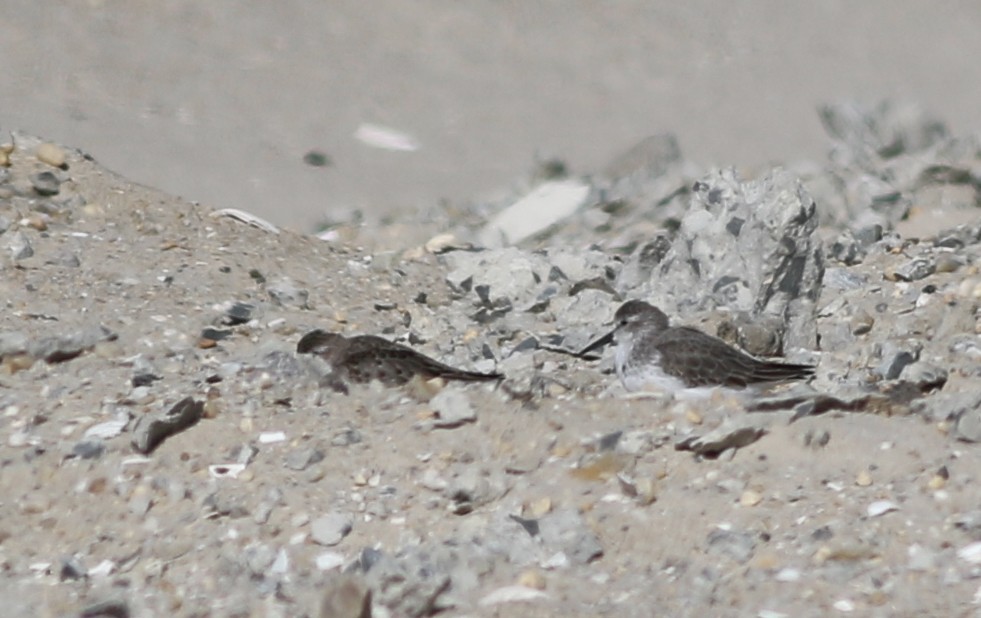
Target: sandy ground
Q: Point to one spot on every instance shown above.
(218, 102)
(872, 512)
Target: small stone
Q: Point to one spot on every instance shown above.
(239, 313)
(737, 545)
(864, 479)
(46, 183)
(331, 529)
(19, 246)
(916, 269)
(151, 430)
(441, 243)
(565, 530)
(51, 154)
(89, 449)
(861, 323)
(303, 458)
(539, 508)
(532, 578)
(316, 158)
(949, 262)
(750, 498)
(968, 426)
(453, 408)
(920, 558)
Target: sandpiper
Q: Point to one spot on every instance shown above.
(364, 358)
(682, 360)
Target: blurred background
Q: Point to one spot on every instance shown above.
(302, 111)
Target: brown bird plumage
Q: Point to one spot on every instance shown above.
(651, 352)
(364, 358)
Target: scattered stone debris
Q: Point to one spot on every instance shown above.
(548, 487)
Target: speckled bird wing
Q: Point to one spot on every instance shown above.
(702, 360)
(370, 357)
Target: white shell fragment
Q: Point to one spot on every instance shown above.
(329, 560)
(881, 507)
(545, 206)
(510, 594)
(108, 429)
(386, 138)
(247, 218)
(970, 553)
(269, 437)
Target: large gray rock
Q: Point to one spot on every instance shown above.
(743, 246)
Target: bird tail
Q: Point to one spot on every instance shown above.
(778, 372)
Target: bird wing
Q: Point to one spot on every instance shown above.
(370, 356)
(703, 360)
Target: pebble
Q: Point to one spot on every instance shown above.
(864, 479)
(331, 528)
(89, 449)
(532, 578)
(968, 426)
(19, 246)
(750, 498)
(453, 409)
(51, 154)
(150, 430)
(302, 458)
(46, 183)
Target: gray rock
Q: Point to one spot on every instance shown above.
(916, 269)
(330, 529)
(565, 530)
(19, 246)
(736, 545)
(731, 434)
(60, 348)
(300, 459)
(708, 265)
(924, 375)
(885, 130)
(474, 487)
(896, 357)
(89, 449)
(411, 584)
(533, 214)
(46, 183)
(13, 342)
(230, 502)
(968, 426)
(453, 407)
(286, 293)
(152, 429)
